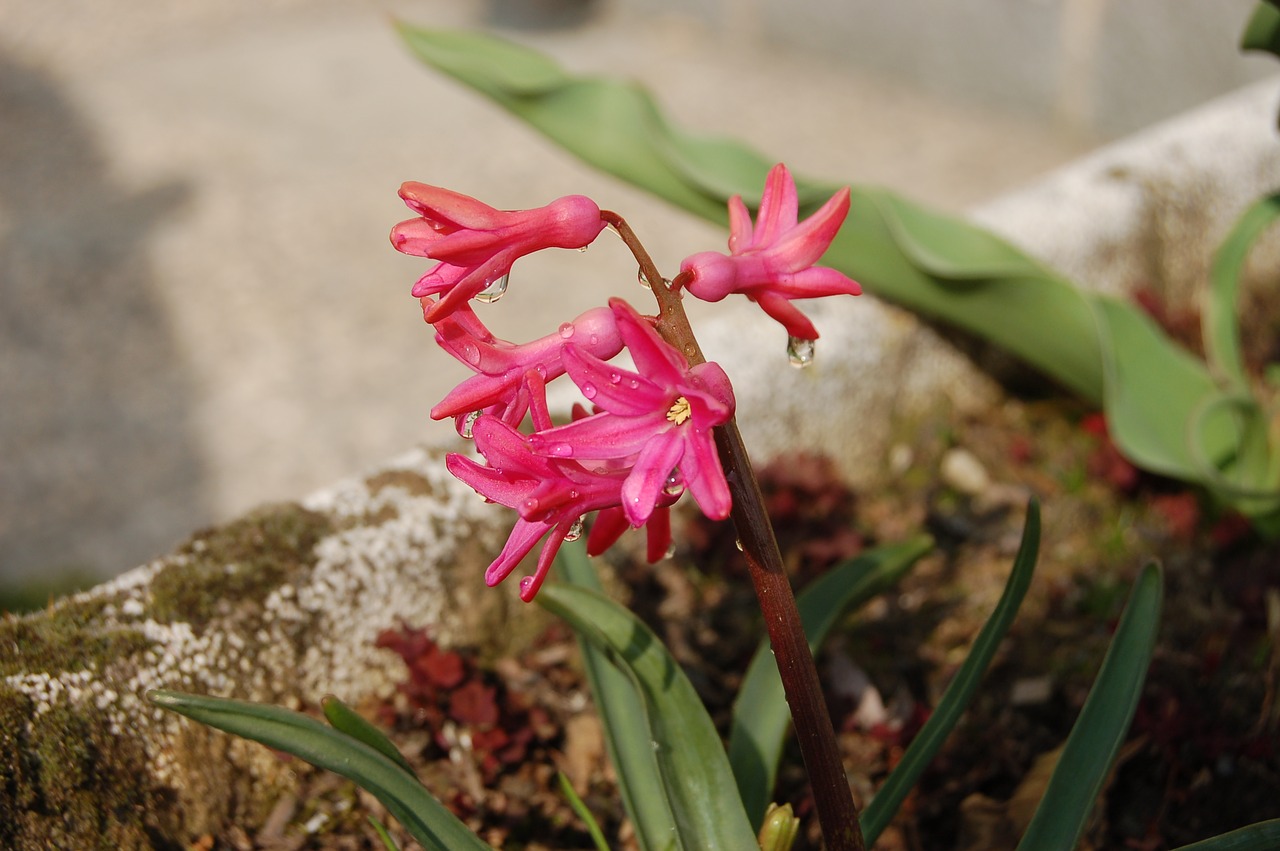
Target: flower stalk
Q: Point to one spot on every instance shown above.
(833, 799)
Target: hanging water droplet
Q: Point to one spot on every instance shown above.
(470, 353)
(496, 290)
(466, 424)
(644, 282)
(737, 542)
(589, 390)
(675, 483)
(575, 531)
(566, 330)
(583, 249)
(615, 377)
(611, 229)
(563, 450)
(799, 352)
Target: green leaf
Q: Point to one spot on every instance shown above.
(877, 814)
(576, 804)
(1262, 836)
(1094, 741)
(306, 738)
(761, 717)
(347, 720)
(1221, 327)
(387, 842)
(691, 760)
(942, 267)
(625, 720)
(1263, 30)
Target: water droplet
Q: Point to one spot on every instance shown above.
(467, 423)
(675, 483)
(529, 506)
(589, 390)
(644, 282)
(611, 229)
(595, 340)
(633, 383)
(575, 531)
(615, 377)
(671, 550)
(566, 330)
(526, 583)
(470, 353)
(496, 290)
(563, 450)
(799, 352)
(737, 542)
(583, 249)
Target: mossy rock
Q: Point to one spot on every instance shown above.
(283, 606)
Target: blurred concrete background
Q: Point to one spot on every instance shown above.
(199, 309)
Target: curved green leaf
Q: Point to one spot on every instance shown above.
(692, 762)
(1095, 739)
(306, 738)
(955, 699)
(580, 808)
(937, 265)
(346, 720)
(761, 717)
(1263, 836)
(626, 724)
(1221, 330)
(1263, 30)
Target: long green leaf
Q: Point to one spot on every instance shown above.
(344, 719)
(1263, 30)
(692, 762)
(580, 808)
(626, 724)
(939, 266)
(959, 693)
(761, 717)
(1262, 836)
(1094, 741)
(306, 738)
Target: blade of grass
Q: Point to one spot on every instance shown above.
(760, 714)
(1095, 739)
(1262, 836)
(626, 726)
(346, 720)
(691, 760)
(306, 738)
(955, 699)
(580, 809)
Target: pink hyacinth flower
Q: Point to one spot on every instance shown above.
(477, 244)
(550, 494)
(499, 387)
(659, 419)
(772, 262)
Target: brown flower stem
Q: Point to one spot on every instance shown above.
(837, 814)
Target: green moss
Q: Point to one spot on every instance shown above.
(68, 639)
(240, 561)
(71, 782)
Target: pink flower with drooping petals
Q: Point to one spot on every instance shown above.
(499, 387)
(477, 244)
(772, 263)
(660, 419)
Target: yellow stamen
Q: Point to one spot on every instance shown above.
(679, 411)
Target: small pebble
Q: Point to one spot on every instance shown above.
(962, 471)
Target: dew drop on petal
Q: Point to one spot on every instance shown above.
(470, 353)
(526, 583)
(583, 249)
(566, 330)
(595, 339)
(467, 423)
(496, 290)
(575, 531)
(633, 384)
(529, 506)
(615, 377)
(799, 352)
(563, 450)
(589, 390)
(675, 483)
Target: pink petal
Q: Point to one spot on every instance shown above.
(779, 207)
(805, 244)
(654, 357)
(796, 323)
(451, 209)
(644, 484)
(609, 526)
(524, 536)
(704, 477)
(600, 437)
(739, 225)
(617, 390)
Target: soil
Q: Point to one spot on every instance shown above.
(488, 737)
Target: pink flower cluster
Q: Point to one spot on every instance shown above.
(649, 437)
